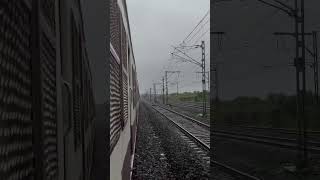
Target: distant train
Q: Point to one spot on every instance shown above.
(47, 110)
(124, 93)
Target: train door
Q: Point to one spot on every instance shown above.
(71, 91)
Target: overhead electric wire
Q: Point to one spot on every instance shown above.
(197, 25)
(284, 5)
(288, 11)
(186, 60)
(199, 30)
(202, 36)
(196, 62)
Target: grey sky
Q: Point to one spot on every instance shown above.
(250, 44)
(155, 26)
(158, 24)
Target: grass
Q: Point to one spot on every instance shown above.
(276, 110)
(195, 96)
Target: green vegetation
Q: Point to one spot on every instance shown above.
(195, 96)
(276, 110)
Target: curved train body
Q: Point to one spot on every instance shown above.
(124, 93)
(46, 97)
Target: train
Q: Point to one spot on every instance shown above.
(124, 93)
(47, 107)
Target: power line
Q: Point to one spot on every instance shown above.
(199, 30)
(196, 25)
(191, 59)
(286, 10)
(202, 35)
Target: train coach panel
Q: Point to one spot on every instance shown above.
(123, 92)
(77, 93)
(15, 90)
(43, 64)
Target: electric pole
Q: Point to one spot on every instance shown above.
(154, 93)
(166, 76)
(299, 63)
(202, 64)
(315, 66)
(297, 12)
(177, 85)
(208, 78)
(150, 95)
(203, 60)
(177, 88)
(301, 74)
(314, 54)
(214, 67)
(163, 101)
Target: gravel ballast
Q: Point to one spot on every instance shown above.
(160, 151)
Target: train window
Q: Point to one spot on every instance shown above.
(115, 26)
(115, 99)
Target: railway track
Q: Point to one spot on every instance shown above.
(276, 137)
(199, 133)
(282, 138)
(289, 143)
(194, 106)
(280, 130)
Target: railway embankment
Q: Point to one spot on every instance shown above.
(161, 152)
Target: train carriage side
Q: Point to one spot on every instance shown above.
(46, 96)
(77, 107)
(123, 93)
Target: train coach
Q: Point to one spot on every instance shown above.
(47, 110)
(124, 93)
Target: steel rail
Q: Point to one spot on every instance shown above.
(187, 117)
(221, 165)
(189, 106)
(198, 141)
(280, 142)
(233, 170)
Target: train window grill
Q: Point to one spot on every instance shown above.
(124, 46)
(115, 99)
(115, 29)
(48, 11)
(49, 102)
(16, 153)
(125, 98)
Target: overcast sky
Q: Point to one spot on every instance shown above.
(250, 44)
(156, 25)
